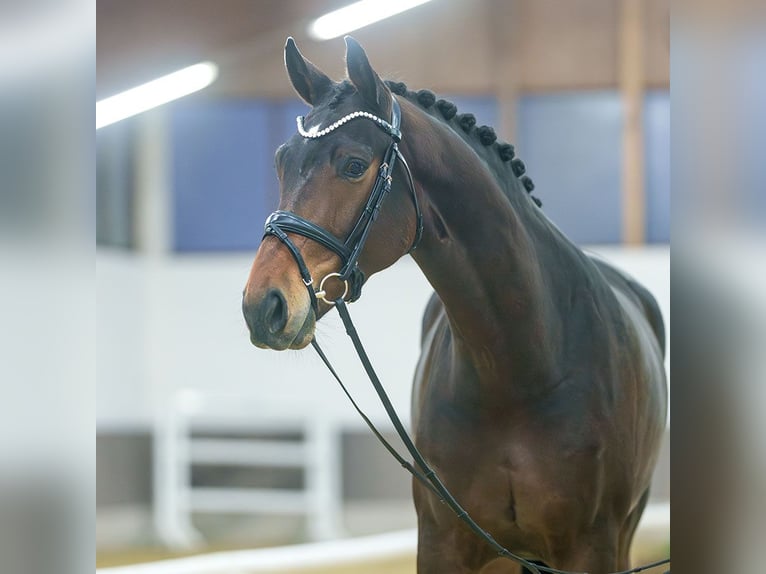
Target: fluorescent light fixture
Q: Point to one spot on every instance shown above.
(154, 93)
(358, 15)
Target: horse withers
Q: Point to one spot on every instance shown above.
(540, 395)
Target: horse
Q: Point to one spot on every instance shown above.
(540, 395)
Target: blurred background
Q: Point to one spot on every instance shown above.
(205, 442)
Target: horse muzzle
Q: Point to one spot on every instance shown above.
(277, 322)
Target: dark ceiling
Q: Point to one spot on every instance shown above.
(452, 46)
(139, 40)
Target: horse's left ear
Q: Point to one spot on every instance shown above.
(309, 82)
(364, 78)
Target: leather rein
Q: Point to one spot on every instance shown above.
(281, 222)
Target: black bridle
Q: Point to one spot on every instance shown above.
(280, 223)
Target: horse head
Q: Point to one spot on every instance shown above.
(328, 172)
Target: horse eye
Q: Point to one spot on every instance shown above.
(355, 168)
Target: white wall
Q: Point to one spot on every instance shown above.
(175, 322)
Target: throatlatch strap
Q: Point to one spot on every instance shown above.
(416, 203)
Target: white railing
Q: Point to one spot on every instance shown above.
(314, 449)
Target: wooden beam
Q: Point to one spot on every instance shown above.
(631, 74)
(504, 37)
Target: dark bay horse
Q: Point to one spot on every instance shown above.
(540, 394)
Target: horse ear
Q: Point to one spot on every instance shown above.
(364, 78)
(310, 83)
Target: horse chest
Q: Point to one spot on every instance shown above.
(514, 487)
(521, 478)
(479, 480)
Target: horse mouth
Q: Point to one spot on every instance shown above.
(305, 333)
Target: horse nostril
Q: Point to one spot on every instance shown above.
(275, 312)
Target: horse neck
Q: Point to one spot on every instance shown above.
(479, 251)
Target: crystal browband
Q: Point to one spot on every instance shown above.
(314, 132)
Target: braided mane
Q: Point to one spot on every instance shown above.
(482, 138)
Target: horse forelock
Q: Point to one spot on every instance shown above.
(341, 91)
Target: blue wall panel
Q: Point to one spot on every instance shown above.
(223, 178)
(221, 174)
(657, 158)
(281, 128)
(224, 183)
(571, 144)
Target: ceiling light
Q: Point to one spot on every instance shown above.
(357, 15)
(154, 93)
